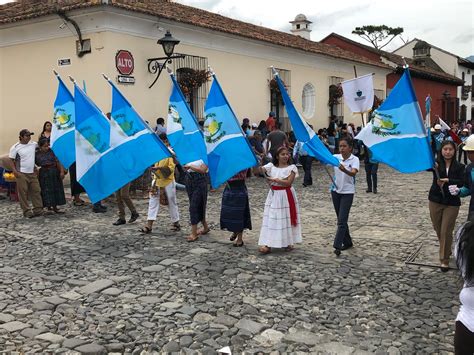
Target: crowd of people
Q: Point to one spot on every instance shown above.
(39, 178)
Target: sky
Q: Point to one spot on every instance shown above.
(445, 24)
(448, 24)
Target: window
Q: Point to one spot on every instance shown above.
(196, 97)
(337, 109)
(309, 100)
(423, 51)
(298, 26)
(276, 100)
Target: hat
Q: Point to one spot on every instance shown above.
(271, 114)
(465, 130)
(432, 129)
(437, 126)
(469, 145)
(254, 125)
(25, 132)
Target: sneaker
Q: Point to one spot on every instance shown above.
(119, 222)
(133, 218)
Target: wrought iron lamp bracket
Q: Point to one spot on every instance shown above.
(155, 66)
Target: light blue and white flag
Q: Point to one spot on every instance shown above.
(396, 134)
(182, 129)
(62, 133)
(109, 154)
(228, 151)
(303, 133)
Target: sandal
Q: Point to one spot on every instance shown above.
(233, 237)
(238, 245)
(204, 232)
(265, 250)
(176, 227)
(145, 230)
(80, 203)
(289, 248)
(191, 239)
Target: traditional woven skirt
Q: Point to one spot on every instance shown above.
(52, 189)
(277, 231)
(196, 187)
(235, 210)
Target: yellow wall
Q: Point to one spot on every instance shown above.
(28, 87)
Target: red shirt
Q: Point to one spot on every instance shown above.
(270, 123)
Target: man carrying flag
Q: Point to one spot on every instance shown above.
(445, 127)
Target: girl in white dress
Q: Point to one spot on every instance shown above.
(281, 217)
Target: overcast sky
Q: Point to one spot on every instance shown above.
(448, 24)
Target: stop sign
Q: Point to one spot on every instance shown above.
(124, 62)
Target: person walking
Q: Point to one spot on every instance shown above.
(123, 198)
(51, 175)
(464, 255)
(342, 192)
(281, 226)
(235, 210)
(163, 191)
(306, 161)
(197, 187)
(462, 153)
(371, 168)
(443, 206)
(23, 156)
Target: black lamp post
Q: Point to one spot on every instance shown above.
(155, 66)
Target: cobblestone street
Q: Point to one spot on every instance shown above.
(77, 284)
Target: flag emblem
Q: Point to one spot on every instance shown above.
(62, 120)
(174, 114)
(213, 129)
(383, 125)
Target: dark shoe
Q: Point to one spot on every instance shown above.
(99, 210)
(345, 247)
(29, 214)
(238, 244)
(337, 252)
(119, 222)
(444, 267)
(133, 218)
(368, 190)
(375, 191)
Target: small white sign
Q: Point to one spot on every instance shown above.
(125, 79)
(64, 61)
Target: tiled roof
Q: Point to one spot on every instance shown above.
(416, 70)
(165, 9)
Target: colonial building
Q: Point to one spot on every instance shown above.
(426, 55)
(428, 78)
(118, 37)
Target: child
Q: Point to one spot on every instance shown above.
(281, 221)
(163, 188)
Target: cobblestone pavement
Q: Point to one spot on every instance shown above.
(77, 284)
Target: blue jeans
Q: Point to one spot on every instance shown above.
(342, 206)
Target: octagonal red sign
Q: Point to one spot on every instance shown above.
(124, 62)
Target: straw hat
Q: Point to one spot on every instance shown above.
(469, 145)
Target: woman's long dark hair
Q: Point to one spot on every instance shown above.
(465, 252)
(279, 150)
(44, 126)
(262, 125)
(440, 158)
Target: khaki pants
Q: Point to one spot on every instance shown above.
(123, 198)
(443, 218)
(29, 187)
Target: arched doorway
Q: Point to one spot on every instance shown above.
(463, 115)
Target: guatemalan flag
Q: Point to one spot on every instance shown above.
(182, 129)
(396, 134)
(62, 133)
(109, 154)
(228, 151)
(311, 142)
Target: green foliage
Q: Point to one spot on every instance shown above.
(378, 36)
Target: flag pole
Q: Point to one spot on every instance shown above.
(361, 114)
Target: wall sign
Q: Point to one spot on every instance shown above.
(125, 79)
(124, 62)
(64, 61)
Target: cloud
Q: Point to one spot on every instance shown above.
(209, 5)
(464, 37)
(333, 18)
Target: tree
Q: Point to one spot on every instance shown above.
(377, 35)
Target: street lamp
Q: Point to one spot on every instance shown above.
(155, 66)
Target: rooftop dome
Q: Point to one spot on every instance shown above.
(301, 17)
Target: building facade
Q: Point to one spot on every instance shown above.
(37, 39)
(451, 64)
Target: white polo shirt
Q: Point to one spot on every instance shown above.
(345, 183)
(24, 155)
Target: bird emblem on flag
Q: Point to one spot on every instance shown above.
(174, 114)
(213, 129)
(383, 125)
(62, 119)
